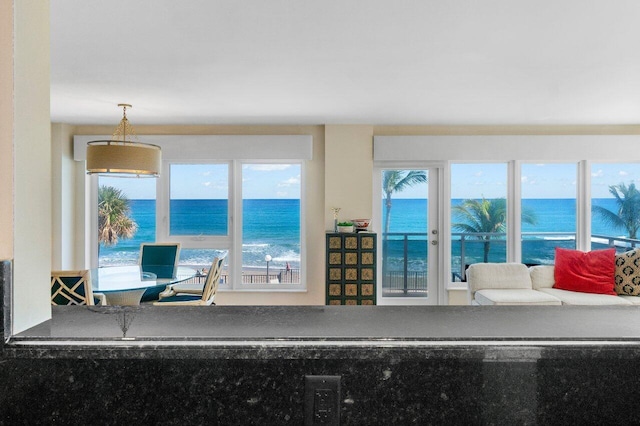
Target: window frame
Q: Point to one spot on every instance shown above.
(580, 235)
(276, 149)
(513, 150)
(514, 202)
(238, 236)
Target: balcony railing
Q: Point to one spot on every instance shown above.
(404, 265)
(404, 268)
(282, 276)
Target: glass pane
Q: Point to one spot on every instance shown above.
(615, 205)
(199, 199)
(126, 218)
(404, 237)
(548, 211)
(200, 260)
(271, 223)
(478, 215)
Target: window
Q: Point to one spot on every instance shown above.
(126, 218)
(200, 209)
(548, 210)
(478, 215)
(249, 210)
(199, 199)
(615, 205)
(271, 198)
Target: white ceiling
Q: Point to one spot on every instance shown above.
(346, 62)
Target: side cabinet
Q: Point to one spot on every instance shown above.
(351, 268)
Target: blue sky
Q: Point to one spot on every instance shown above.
(550, 180)
(211, 181)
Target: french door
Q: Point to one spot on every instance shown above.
(409, 238)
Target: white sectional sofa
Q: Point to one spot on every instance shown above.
(517, 284)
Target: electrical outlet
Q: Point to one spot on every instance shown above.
(322, 400)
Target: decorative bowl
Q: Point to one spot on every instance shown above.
(361, 223)
(345, 228)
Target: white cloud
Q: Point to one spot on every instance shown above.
(598, 173)
(290, 182)
(214, 185)
(623, 173)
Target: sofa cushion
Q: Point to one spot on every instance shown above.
(518, 296)
(627, 276)
(498, 276)
(634, 300)
(542, 276)
(578, 298)
(587, 272)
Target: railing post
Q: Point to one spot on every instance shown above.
(406, 266)
(462, 257)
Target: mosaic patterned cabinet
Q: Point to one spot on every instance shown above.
(351, 269)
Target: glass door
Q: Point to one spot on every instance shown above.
(409, 236)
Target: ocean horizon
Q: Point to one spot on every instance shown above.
(264, 231)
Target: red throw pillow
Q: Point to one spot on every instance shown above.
(590, 272)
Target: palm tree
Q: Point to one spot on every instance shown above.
(113, 216)
(628, 215)
(486, 217)
(397, 181)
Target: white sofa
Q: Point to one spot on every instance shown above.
(516, 284)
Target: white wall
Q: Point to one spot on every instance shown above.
(67, 201)
(6, 129)
(348, 173)
(32, 164)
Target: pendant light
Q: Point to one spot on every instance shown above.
(121, 156)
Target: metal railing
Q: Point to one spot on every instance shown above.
(398, 278)
(283, 276)
(404, 281)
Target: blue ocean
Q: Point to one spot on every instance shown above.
(555, 226)
(271, 227)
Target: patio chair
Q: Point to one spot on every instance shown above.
(74, 288)
(173, 297)
(160, 259)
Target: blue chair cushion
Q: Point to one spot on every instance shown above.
(152, 294)
(159, 259)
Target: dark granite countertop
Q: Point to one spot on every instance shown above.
(341, 322)
(328, 331)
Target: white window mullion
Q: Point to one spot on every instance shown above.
(235, 221)
(583, 214)
(162, 203)
(91, 222)
(514, 212)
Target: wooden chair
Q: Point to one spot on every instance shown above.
(73, 288)
(160, 259)
(206, 296)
